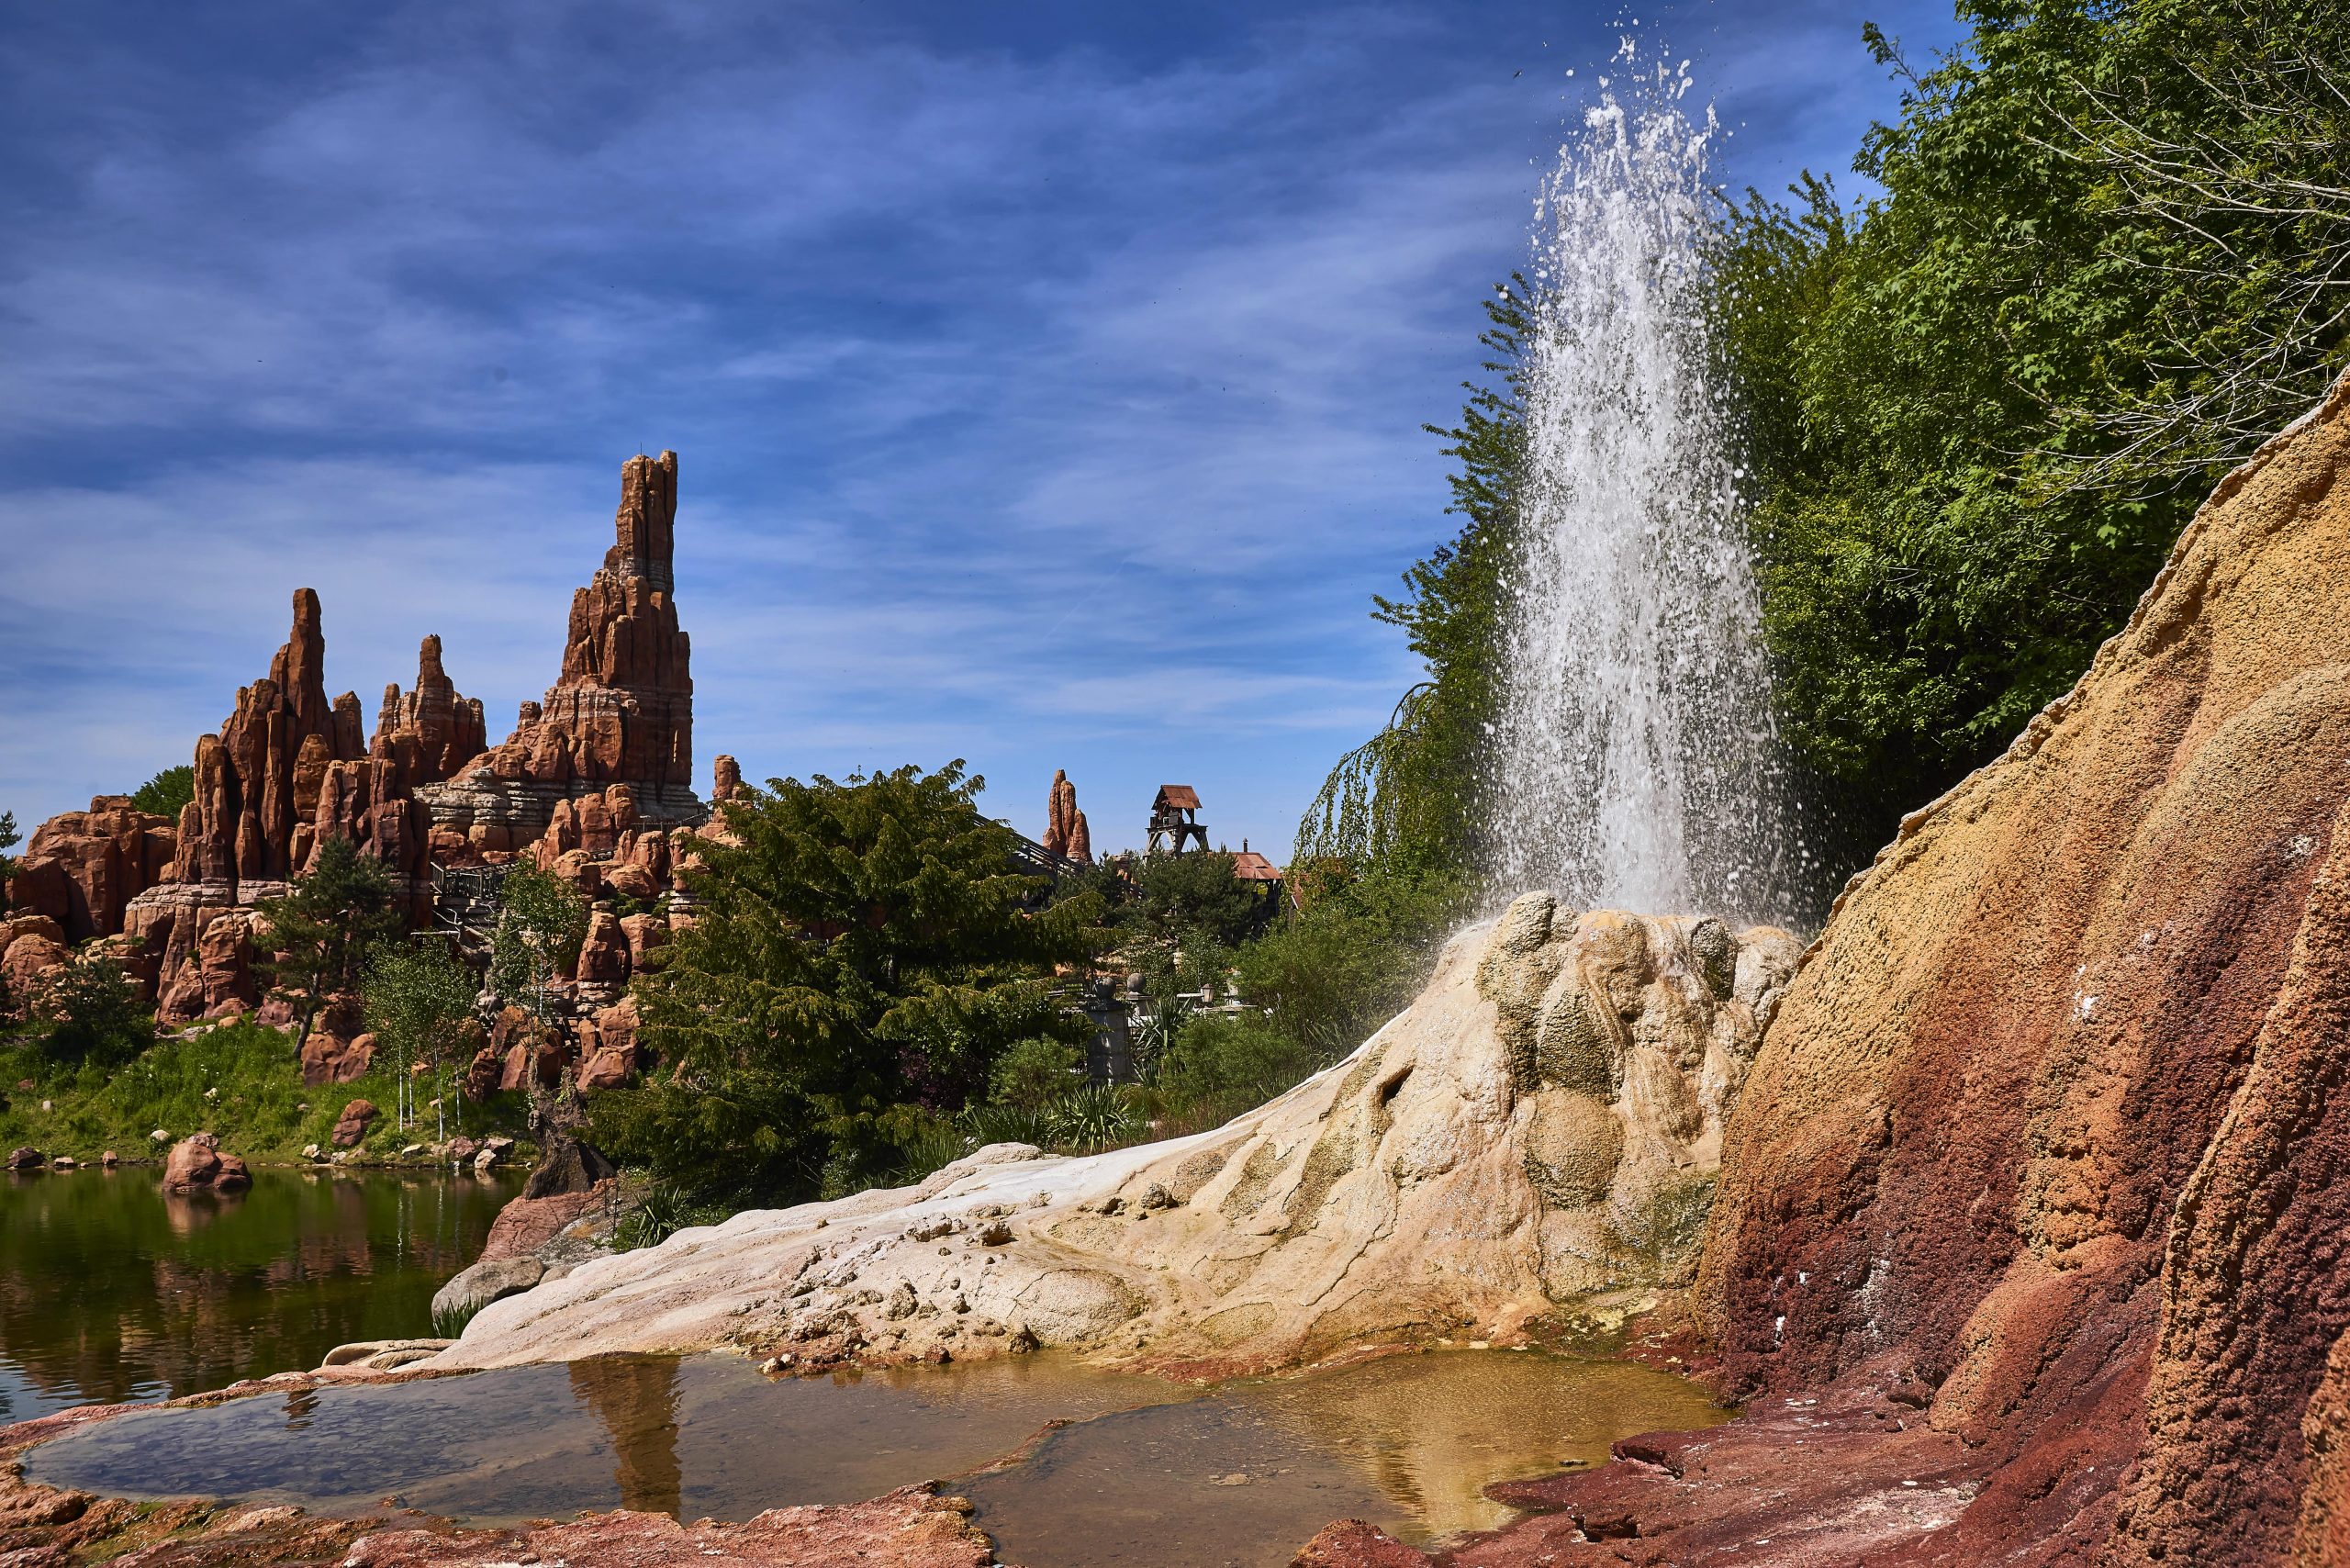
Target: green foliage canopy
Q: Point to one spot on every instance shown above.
(167, 792)
(2111, 255)
(322, 931)
(861, 955)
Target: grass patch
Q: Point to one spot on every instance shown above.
(240, 1081)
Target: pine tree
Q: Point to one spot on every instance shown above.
(322, 932)
(9, 839)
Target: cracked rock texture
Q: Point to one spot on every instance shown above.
(1535, 1135)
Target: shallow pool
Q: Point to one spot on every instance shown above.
(1068, 1466)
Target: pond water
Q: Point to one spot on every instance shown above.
(110, 1290)
(1146, 1473)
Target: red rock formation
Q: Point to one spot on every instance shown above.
(2030, 1224)
(1061, 813)
(82, 868)
(726, 779)
(350, 1127)
(195, 1163)
(30, 945)
(430, 732)
(330, 1059)
(1080, 841)
(608, 1047)
(622, 708)
(603, 952)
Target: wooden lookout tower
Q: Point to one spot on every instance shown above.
(1174, 820)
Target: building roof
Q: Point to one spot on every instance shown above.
(1251, 866)
(1182, 797)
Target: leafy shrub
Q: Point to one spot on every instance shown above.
(167, 792)
(660, 1211)
(95, 1014)
(1032, 1073)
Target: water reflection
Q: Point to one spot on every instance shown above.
(636, 1399)
(112, 1290)
(1409, 1443)
(1149, 1474)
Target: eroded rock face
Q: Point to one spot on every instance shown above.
(82, 868)
(2050, 1125)
(621, 710)
(1533, 1137)
(429, 731)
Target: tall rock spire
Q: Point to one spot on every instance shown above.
(621, 709)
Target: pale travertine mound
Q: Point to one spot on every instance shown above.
(1538, 1132)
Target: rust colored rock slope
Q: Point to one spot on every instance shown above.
(2053, 1121)
(2029, 1247)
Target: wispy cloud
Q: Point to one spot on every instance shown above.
(1048, 386)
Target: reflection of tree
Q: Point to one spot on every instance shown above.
(636, 1399)
(190, 1292)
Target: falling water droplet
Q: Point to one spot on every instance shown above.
(1637, 763)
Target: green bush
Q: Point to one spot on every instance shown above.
(1229, 1062)
(862, 954)
(94, 1014)
(167, 792)
(1032, 1073)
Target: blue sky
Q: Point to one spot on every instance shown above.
(1047, 379)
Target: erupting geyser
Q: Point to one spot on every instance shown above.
(1637, 764)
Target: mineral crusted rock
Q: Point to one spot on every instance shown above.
(1417, 1187)
(2026, 1246)
(82, 868)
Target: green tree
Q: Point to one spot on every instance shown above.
(1194, 899)
(542, 921)
(167, 792)
(95, 1014)
(419, 999)
(2111, 255)
(9, 839)
(862, 953)
(322, 931)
